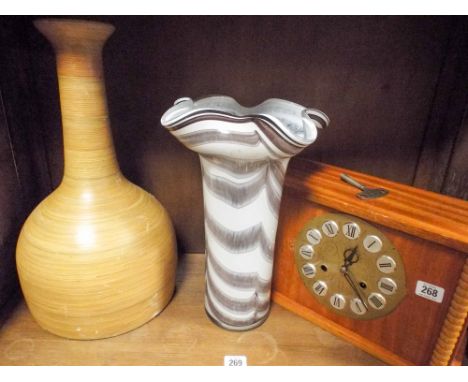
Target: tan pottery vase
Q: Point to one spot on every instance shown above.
(97, 257)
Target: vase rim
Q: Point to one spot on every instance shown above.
(72, 32)
(296, 123)
(71, 21)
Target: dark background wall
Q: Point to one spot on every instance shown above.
(395, 89)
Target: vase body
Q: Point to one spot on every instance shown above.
(97, 257)
(244, 153)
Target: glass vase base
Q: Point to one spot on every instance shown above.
(234, 328)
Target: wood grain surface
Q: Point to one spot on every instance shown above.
(182, 335)
(427, 229)
(442, 160)
(429, 215)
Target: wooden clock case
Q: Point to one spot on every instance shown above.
(429, 230)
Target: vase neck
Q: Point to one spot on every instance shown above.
(243, 185)
(87, 139)
(88, 147)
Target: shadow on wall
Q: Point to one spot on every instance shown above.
(374, 76)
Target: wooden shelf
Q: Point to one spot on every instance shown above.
(182, 335)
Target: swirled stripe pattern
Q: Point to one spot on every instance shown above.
(244, 157)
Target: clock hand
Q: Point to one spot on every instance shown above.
(350, 279)
(351, 256)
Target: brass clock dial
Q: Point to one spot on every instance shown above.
(350, 267)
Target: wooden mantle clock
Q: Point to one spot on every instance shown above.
(389, 274)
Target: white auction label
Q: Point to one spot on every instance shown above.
(235, 360)
(430, 291)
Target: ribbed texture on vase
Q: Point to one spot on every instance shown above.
(97, 257)
(96, 264)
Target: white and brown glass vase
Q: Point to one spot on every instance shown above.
(244, 153)
(97, 257)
